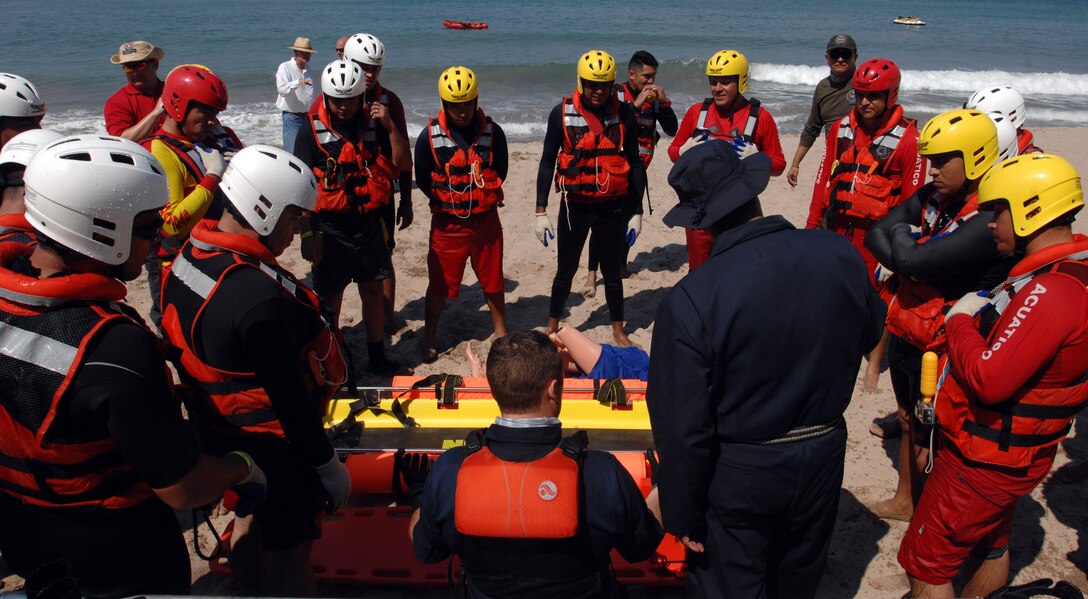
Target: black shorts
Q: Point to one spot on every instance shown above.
(388, 214)
(291, 513)
(352, 249)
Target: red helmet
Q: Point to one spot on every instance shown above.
(192, 83)
(877, 75)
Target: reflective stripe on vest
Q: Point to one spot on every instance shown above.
(749, 126)
(36, 349)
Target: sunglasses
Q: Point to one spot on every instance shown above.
(134, 67)
(840, 54)
(340, 51)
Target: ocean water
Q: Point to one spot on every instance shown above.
(525, 61)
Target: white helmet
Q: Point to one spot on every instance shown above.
(343, 79)
(19, 98)
(85, 191)
(1007, 146)
(364, 48)
(1003, 99)
(261, 181)
(21, 148)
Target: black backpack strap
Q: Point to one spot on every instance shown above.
(475, 440)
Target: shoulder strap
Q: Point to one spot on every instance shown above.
(575, 446)
(753, 119)
(474, 441)
(183, 153)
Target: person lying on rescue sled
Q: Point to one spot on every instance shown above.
(262, 362)
(94, 451)
(1016, 375)
(550, 540)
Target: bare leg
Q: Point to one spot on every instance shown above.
(288, 573)
(496, 304)
(872, 369)
(475, 364)
(928, 591)
(333, 303)
(553, 325)
(435, 303)
(619, 336)
(901, 505)
(591, 284)
(990, 575)
(584, 351)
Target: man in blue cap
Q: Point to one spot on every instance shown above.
(753, 362)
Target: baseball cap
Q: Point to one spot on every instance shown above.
(841, 40)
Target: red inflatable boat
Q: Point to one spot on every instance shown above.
(450, 23)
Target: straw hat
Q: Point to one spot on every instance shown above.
(302, 44)
(137, 51)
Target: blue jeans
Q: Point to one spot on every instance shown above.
(292, 123)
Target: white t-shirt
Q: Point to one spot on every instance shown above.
(291, 95)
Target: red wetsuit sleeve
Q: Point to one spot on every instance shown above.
(683, 134)
(1042, 329)
(820, 193)
(766, 138)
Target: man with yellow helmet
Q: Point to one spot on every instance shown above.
(1016, 364)
(591, 148)
(939, 250)
(460, 163)
(727, 115)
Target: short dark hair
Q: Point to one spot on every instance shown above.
(520, 366)
(641, 58)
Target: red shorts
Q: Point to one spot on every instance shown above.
(454, 241)
(699, 244)
(963, 509)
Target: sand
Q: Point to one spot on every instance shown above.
(1049, 536)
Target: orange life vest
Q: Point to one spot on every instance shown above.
(1025, 143)
(354, 176)
(859, 185)
(15, 228)
(463, 182)
(540, 499)
(1012, 433)
(591, 166)
(235, 401)
(704, 127)
(916, 313)
(46, 328)
(645, 120)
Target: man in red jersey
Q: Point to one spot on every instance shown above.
(134, 111)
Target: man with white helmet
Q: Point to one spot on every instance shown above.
(13, 160)
(1007, 101)
(21, 108)
(368, 52)
(345, 238)
(261, 360)
(94, 451)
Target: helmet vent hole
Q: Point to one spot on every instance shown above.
(81, 156)
(269, 154)
(955, 120)
(105, 224)
(295, 166)
(104, 240)
(122, 158)
(267, 204)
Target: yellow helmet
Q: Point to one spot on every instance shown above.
(458, 84)
(1039, 188)
(596, 65)
(969, 132)
(729, 62)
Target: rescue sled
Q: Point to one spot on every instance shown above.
(451, 24)
(435, 413)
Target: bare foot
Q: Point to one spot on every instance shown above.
(429, 353)
(622, 340)
(886, 427)
(892, 509)
(475, 364)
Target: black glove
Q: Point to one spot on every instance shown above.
(413, 469)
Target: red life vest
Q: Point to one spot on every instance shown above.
(47, 326)
(916, 313)
(519, 500)
(1025, 143)
(463, 183)
(235, 401)
(15, 228)
(591, 166)
(221, 139)
(859, 185)
(1014, 432)
(703, 126)
(354, 176)
(645, 119)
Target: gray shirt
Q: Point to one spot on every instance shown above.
(831, 101)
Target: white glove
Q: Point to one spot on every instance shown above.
(336, 480)
(747, 149)
(882, 273)
(544, 228)
(634, 227)
(969, 304)
(213, 161)
(691, 143)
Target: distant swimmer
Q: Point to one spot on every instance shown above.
(730, 116)
(135, 111)
(832, 100)
(591, 148)
(461, 162)
(1009, 102)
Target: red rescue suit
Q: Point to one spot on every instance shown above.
(47, 326)
(234, 401)
(355, 176)
(645, 119)
(463, 182)
(1026, 426)
(916, 312)
(591, 166)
